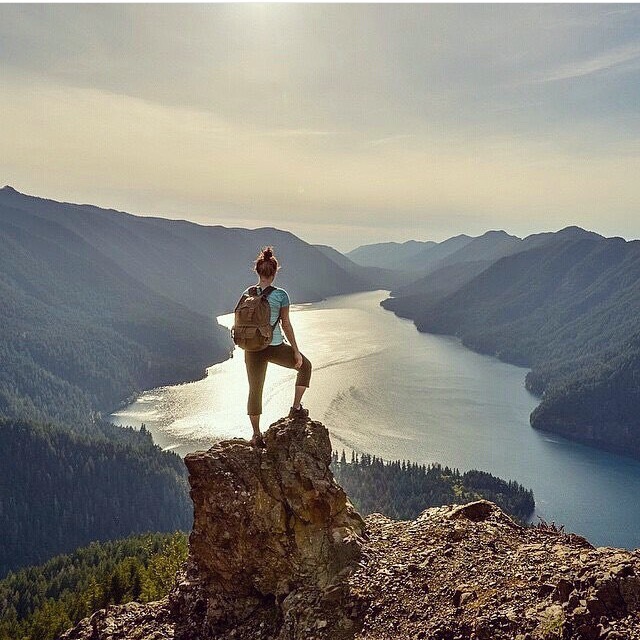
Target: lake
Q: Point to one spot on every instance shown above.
(382, 388)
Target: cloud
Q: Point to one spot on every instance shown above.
(297, 133)
(385, 117)
(387, 139)
(603, 62)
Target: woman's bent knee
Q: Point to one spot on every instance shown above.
(304, 373)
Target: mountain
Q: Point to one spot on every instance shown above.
(79, 334)
(429, 256)
(204, 268)
(414, 258)
(485, 248)
(489, 246)
(426, 257)
(568, 309)
(277, 552)
(450, 273)
(389, 255)
(536, 240)
(376, 277)
(448, 269)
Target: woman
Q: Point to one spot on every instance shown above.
(278, 352)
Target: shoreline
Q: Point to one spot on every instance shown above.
(598, 445)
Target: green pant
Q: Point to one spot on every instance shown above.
(256, 361)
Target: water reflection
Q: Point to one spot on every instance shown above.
(383, 388)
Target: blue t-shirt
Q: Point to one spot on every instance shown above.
(277, 299)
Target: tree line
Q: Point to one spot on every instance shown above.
(402, 490)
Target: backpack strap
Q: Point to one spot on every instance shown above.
(253, 291)
(265, 294)
(268, 290)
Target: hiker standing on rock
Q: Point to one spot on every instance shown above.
(258, 316)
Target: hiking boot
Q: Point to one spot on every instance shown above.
(258, 441)
(298, 414)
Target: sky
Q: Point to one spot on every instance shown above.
(343, 123)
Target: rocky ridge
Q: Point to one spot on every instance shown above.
(277, 552)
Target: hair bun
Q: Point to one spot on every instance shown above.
(266, 264)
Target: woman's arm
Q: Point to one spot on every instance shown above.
(288, 332)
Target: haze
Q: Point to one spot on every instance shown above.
(344, 124)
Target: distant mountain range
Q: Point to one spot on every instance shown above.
(389, 255)
(377, 277)
(426, 257)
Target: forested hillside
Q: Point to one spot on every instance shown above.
(78, 334)
(40, 602)
(568, 308)
(402, 490)
(204, 268)
(60, 490)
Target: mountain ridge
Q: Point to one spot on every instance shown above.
(177, 258)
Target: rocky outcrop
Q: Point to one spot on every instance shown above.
(273, 540)
(131, 621)
(278, 553)
(470, 572)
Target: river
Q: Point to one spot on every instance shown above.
(383, 388)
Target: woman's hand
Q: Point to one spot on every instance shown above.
(298, 359)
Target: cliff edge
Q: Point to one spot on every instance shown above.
(277, 552)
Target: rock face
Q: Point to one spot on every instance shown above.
(278, 553)
(273, 539)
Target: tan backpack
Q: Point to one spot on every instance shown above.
(252, 329)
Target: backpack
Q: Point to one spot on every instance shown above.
(252, 329)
